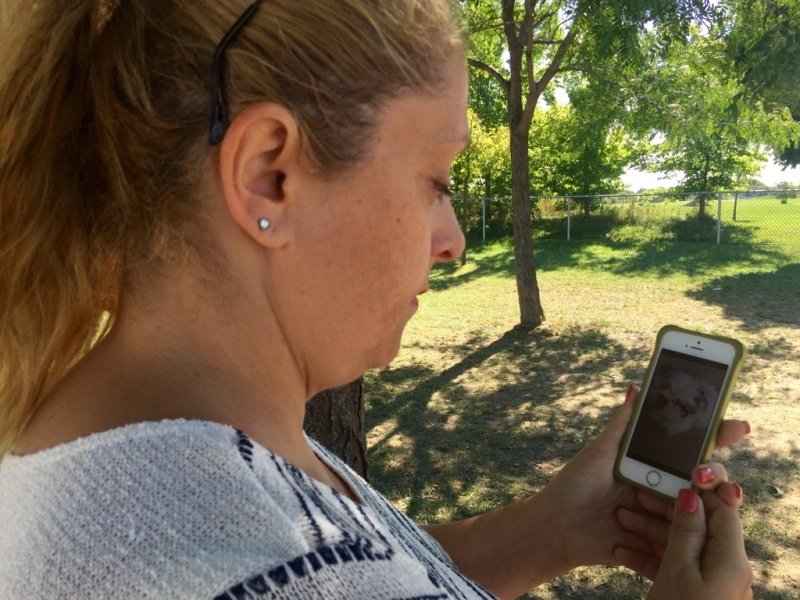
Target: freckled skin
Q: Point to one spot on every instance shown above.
(380, 229)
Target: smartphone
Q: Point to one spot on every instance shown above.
(679, 409)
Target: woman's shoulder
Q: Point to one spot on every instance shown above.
(167, 454)
(149, 506)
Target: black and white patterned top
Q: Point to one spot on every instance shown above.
(190, 509)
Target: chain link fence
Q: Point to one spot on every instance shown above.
(745, 217)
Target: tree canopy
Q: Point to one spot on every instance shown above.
(687, 106)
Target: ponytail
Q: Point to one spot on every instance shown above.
(51, 285)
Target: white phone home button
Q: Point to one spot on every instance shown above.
(654, 478)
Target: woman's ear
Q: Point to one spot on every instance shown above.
(260, 150)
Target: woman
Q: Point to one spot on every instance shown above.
(173, 293)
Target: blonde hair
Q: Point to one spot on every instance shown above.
(103, 138)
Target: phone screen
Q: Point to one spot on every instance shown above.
(676, 412)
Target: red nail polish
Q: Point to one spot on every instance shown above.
(687, 501)
(705, 475)
(738, 491)
(746, 427)
(630, 391)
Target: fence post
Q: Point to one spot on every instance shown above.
(484, 219)
(569, 218)
(719, 217)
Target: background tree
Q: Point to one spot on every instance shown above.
(577, 149)
(689, 106)
(538, 40)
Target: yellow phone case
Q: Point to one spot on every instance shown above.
(716, 419)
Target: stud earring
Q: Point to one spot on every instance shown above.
(263, 224)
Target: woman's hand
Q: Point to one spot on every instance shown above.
(653, 523)
(603, 521)
(705, 555)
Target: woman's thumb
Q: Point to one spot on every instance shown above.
(687, 534)
(615, 428)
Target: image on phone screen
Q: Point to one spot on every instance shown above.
(676, 412)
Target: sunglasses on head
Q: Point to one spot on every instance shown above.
(219, 117)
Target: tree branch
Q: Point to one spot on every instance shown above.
(476, 64)
(537, 87)
(486, 25)
(542, 18)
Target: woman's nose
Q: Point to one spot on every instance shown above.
(447, 241)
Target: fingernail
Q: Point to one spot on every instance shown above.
(738, 491)
(746, 428)
(629, 393)
(705, 475)
(687, 501)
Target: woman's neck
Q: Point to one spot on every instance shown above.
(179, 354)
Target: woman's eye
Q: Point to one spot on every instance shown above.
(443, 191)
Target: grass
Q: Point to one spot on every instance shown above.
(475, 412)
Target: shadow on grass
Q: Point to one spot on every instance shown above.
(459, 438)
(633, 224)
(495, 257)
(448, 450)
(655, 258)
(759, 300)
(620, 257)
(676, 245)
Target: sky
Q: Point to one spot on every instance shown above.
(770, 175)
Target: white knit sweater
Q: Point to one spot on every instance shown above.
(188, 509)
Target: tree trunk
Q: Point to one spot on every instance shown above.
(487, 205)
(704, 188)
(519, 126)
(464, 214)
(530, 305)
(335, 418)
